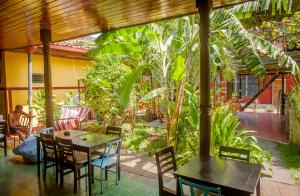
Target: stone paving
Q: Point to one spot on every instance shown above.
(270, 126)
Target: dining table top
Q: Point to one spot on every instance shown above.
(85, 139)
(225, 173)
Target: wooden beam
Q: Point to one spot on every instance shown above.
(204, 8)
(259, 92)
(282, 95)
(45, 36)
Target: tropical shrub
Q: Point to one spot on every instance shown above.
(102, 81)
(38, 104)
(294, 98)
(226, 132)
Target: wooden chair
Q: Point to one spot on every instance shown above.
(234, 153)
(70, 161)
(110, 158)
(114, 130)
(205, 190)
(50, 155)
(165, 160)
(24, 123)
(3, 134)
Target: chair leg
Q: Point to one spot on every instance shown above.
(119, 171)
(75, 181)
(101, 180)
(92, 174)
(61, 177)
(106, 174)
(5, 151)
(56, 172)
(45, 170)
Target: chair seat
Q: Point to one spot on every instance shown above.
(171, 188)
(81, 158)
(106, 162)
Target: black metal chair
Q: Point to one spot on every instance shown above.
(234, 153)
(114, 130)
(50, 158)
(3, 135)
(165, 160)
(70, 161)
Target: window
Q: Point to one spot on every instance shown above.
(249, 85)
(37, 78)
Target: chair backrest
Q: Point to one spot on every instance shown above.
(112, 149)
(48, 145)
(234, 153)
(3, 127)
(205, 189)
(24, 121)
(65, 150)
(165, 161)
(114, 130)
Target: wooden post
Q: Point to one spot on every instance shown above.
(282, 95)
(204, 7)
(229, 89)
(45, 36)
(30, 51)
(240, 87)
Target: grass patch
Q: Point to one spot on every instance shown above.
(147, 140)
(290, 154)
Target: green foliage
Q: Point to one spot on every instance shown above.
(225, 132)
(128, 83)
(294, 98)
(291, 157)
(38, 104)
(146, 140)
(284, 30)
(102, 83)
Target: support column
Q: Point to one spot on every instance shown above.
(204, 7)
(229, 89)
(30, 51)
(282, 95)
(45, 36)
(240, 87)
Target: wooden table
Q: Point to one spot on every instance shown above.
(83, 141)
(232, 176)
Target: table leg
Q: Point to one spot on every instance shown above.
(38, 151)
(89, 172)
(258, 188)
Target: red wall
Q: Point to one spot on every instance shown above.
(266, 96)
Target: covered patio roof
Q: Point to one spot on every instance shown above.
(21, 21)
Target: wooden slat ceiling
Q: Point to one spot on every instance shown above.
(21, 21)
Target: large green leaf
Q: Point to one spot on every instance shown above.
(128, 83)
(274, 52)
(179, 70)
(152, 94)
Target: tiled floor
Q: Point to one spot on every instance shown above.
(270, 126)
(19, 179)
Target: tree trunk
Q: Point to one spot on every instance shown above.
(176, 115)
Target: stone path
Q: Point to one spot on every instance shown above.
(279, 183)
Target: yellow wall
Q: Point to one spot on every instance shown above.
(65, 73)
